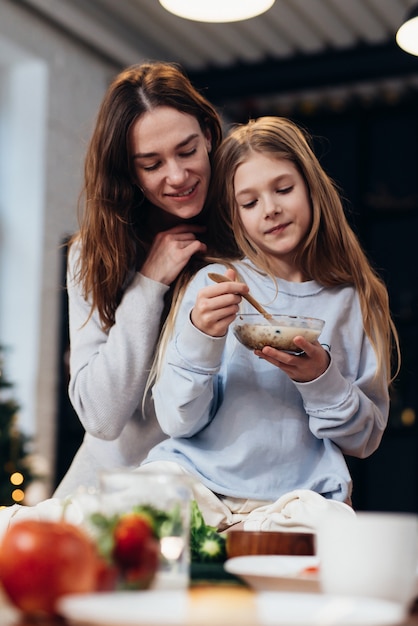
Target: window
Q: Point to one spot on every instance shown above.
(23, 91)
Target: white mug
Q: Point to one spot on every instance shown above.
(369, 554)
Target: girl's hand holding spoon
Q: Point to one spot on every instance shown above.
(217, 305)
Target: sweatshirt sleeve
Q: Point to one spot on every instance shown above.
(351, 410)
(109, 370)
(185, 394)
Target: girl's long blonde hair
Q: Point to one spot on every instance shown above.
(331, 253)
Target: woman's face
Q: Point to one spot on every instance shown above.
(170, 155)
(274, 207)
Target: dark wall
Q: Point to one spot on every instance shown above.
(69, 431)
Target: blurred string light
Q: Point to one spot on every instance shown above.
(407, 35)
(18, 495)
(408, 417)
(16, 478)
(217, 10)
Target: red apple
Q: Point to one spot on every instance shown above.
(40, 561)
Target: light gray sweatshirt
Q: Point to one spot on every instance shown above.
(108, 373)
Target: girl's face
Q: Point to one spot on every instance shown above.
(170, 154)
(274, 207)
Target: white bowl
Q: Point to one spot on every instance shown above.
(271, 572)
(255, 331)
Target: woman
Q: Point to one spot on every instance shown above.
(147, 175)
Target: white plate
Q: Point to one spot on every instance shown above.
(170, 608)
(275, 572)
(314, 609)
(130, 608)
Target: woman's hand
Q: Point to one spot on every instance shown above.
(170, 252)
(301, 368)
(217, 305)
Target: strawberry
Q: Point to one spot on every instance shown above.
(140, 576)
(131, 535)
(129, 545)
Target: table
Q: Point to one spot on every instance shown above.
(212, 604)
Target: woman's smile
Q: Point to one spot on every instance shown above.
(187, 193)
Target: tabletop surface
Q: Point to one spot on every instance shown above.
(211, 604)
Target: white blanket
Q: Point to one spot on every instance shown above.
(299, 510)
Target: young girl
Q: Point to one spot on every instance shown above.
(253, 427)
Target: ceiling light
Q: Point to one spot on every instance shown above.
(217, 10)
(407, 35)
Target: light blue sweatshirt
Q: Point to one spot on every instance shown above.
(242, 426)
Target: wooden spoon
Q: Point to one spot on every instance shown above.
(218, 278)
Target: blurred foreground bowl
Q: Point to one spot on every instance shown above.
(246, 542)
(255, 331)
